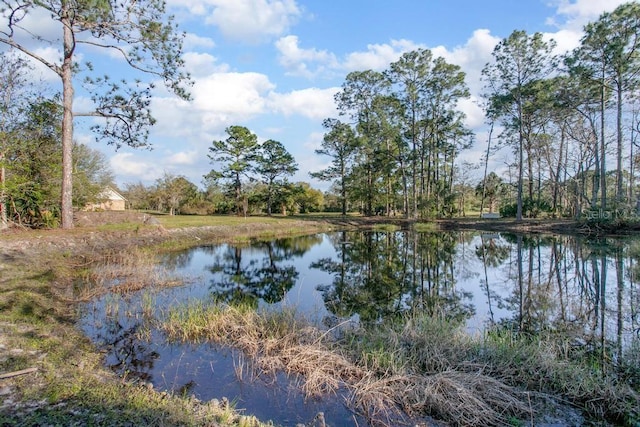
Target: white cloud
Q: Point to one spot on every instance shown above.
(202, 64)
(576, 14)
(194, 41)
(183, 158)
(475, 117)
(314, 141)
(572, 16)
(230, 97)
(313, 103)
(311, 62)
(251, 21)
(193, 7)
(303, 62)
(377, 57)
(219, 100)
(129, 167)
(175, 118)
(83, 105)
(254, 20)
(308, 161)
(566, 40)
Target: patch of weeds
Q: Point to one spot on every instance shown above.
(541, 363)
(421, 227)
(385, 227)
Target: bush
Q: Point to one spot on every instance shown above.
(531, 208)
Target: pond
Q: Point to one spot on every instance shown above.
(527, 282)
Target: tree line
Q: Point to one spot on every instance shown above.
(247, 178)
(31, 153)
(394, 148)
(569, 123)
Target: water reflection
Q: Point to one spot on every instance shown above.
(584, 289)
(377, 275)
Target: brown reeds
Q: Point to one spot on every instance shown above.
(458, 398)
(282, 342)
(285, 344)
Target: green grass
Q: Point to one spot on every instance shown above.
(425, 226)
(179, 221)
(71, 385)
(386, 227)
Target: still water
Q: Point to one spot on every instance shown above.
(588, 288)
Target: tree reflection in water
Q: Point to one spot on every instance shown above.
(582, 291)
(261, 271)
(377, 275)
(585, 292)
(128, 354)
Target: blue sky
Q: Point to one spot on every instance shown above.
(274, 66)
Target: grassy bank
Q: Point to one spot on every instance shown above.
(69, 386)
(52, 374)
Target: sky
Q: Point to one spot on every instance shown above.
(275, 65)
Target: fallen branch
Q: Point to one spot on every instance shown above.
(17, 373)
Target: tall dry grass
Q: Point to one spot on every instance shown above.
(381, 391)
(544, 365)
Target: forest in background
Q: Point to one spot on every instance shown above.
(569, 125)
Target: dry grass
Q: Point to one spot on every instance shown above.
(458, 398)
(122, 273)
(276, 341)
(464, 398)
(283, 342)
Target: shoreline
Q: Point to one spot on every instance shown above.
(38, 269)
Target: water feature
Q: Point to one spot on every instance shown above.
(528, 282)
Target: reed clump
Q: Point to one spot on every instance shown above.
(549, 364)
(381, 387)
(273, 341)
(500, 376)
(456, 397)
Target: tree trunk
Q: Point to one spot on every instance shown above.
(486, 165)
(632, 169)
(3, 203)
(343, 192)
(67, 124)
(595, 188)
(556, 180)
(269, 191)
(603, 146)
(240, 210)
(520, 167)
(414, 176)
(405, 190)
(369, 207)
(620, 188)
